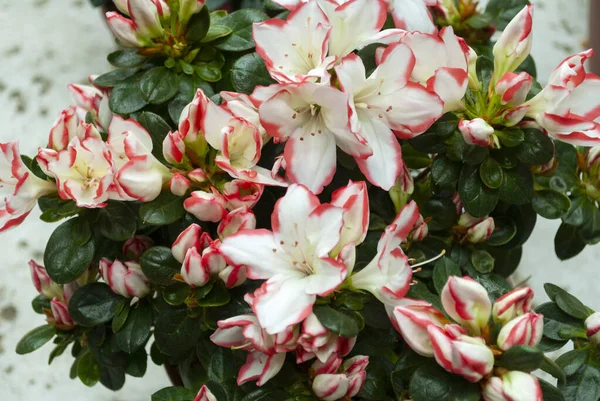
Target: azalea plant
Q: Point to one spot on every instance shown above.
(316, 200)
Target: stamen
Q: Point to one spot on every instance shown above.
(430, 260)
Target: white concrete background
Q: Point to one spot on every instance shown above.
(46, 44)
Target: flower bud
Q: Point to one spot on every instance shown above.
(513, 386)
(179, 185)
(474, 83)
(403, 189)
(459, 353)
(331, 387)
(421, 230)
(125, 279)
(316, 341)
(198, 176)
(593, 164)
(353, 198)
(457, 202)
(192, 270)
(146, 15)
(206, 206)
(124, 30)
(174, 148)
(134, 248)
(42, 281)
(205, 395)
(411, 318)
(328, 366)
(523, 330)
(64, 129)
(356, 371)
(482, 231)
(187, 8)
(60, 311)
(240, 193)
(592, 326)
(236, 220)
(467, 302)
(512, 304)
(514, 45)
(513, 88)
(476, 132)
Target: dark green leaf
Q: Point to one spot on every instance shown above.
(549, 392)
(505, 231)
(537, 148)
(158, 130)
(503, 11)
(556, 320)
(114, 78)
(216, 32)
(571, 305)
(521, 357)
(35, 339)
(584, 385)
(121, 314)
(198, 25)
(136, 330)
(137, 363)
(125, 59)
(126, 97)
(413, 158)
(485, 70)
(65, 260)
(445, 172)
(495, 285)
(116, 221)
(550, 204)
(222, 367)
(570, 362)
(176, 333)
(345, 324)
(517, 187)
(478, 199)
(511, 137)
(442, 212)
(429, 383)
(567, 243)
(88, 370)
(589, 231)
(482, 261)
(240, 23)
(491, 173)
(159, 265)
(444, 268)
(176, 294)
(218, 296)
(93, 304)
(552, 368)
(113, 378)
(248, 72)
(165, 209)
(40, 303)
(159, 84)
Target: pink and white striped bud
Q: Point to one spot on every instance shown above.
(205, 395)
(146, 15)
(412, 318)
(353, 198)
(513, 88)
(514, 45)
(63, 129)
(197, 176)
(60, 312)
(206, 206)
(512, 304)
(42, 281)
(474, 82)
(476, 132)
(233, 276)
(192, 270)
(403, 189)
(236, 220)
(467, 302)
(458, 353)
(331, 387)
(316, 341)
(92, 100)
(513, 386)
(124, 30)
(481, 231)
(421, 230)
(592, 326)
(191, 237)
(179, 185)
(174, 148)
(187, 8)
(523, 330)
(134, 248)
(240, 193)
(125, 279)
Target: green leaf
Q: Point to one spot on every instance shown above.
(93, 304)
(176, 333)
(165, 209)
(444, 268)
(521, 357)
(240, 22)
(505, 231)
(159, 265)
(126, 97)
(125, 59)
(485, 70)
(442, 212)
(503, 11)
(248, 72)
(413, 158)
(342, 323)
(549, 392)
(136, 330)
(430, 382)
(491, 173)
(550, 204)
(158, 129)
(210, 72)
(137, 363)
(511, 137)
(555, 321)
(552, 368)
(571, 305)
(517, 187)
(432, 141)
(88, 369)
(570, 362)
(176, 294)
(113, 378)
(121, 314)
(495, 285)
(218, 296)
(116, 221)
(478, 21)
(159, 84)
(445, 172)
(478, 199)
(222, 368)
(589, 231)
(584, 385)
(567, 243)
(114, 78)
(173, 394)
(39, 303)
(35, 339)
(216, 32)
(537, 148)
(482, 261)
(64, 259)
(198, 25)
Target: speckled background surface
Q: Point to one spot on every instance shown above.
(46, 44)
